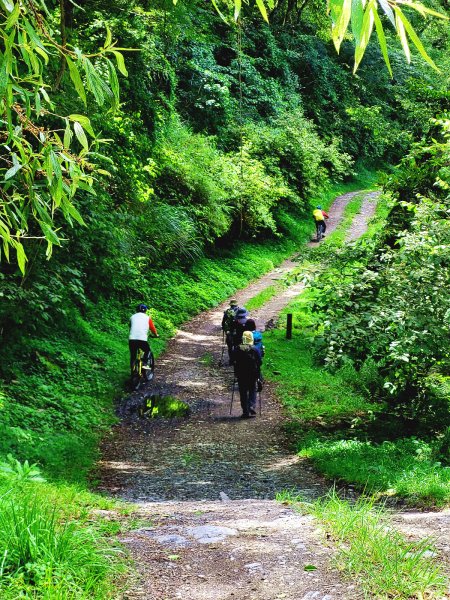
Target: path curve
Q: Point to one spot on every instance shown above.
(215, 470)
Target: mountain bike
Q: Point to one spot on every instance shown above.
(320, 230)
(142, 373)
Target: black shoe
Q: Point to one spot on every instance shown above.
(252, 412)
(245, 416)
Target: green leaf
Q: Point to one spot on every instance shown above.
(342, 12)
(21, 256)
(216, 6)
(14, 169)
(49, 233)
(67, 136)
(403, 39)
(81, 136)
(108, 38)
(263, 10)
(33, 35)
(309, 568)
(382, 40)
(415, 39)
(12, 19)
(387, 11)
(366, 32)
(121, 63)
(42, 53)
(424, 10)
(237, 9)
(94, 81)
(76, 79)
(114, 82)
(4, 77)
(357, 20)
(84, 121)
(73, 212)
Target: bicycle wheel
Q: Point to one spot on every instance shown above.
(135, 376)
(149, 373)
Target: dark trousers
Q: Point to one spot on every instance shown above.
(134, 346)
(229, 343)
(247, 393)
(321, 224)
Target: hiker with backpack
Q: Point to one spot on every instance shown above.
(228, 319)
(247, 370)
(250, 325)
(239, 325)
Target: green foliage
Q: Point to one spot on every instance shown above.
(406, 468)
(17, 471)
(43, 166)
(370, 315)
(377, 556)
(51, 544)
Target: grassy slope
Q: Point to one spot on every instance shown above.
(327, 408)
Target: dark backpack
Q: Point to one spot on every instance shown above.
(247, 363)
(228, 319)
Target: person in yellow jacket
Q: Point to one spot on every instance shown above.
(319, 216)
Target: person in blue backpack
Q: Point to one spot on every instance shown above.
(250, 325)
(238, 329)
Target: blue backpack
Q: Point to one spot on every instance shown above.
(257, 343)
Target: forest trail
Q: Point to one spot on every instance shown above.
(207, 483)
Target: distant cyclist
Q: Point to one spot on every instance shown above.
(319, 219)
(140, 324)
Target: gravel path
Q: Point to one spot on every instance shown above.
(216, 475)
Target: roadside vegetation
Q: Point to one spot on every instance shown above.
(57, 540)
(368, 391)
(377, 558)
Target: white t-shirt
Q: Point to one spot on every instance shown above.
(140, 324)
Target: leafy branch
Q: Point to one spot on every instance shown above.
(359, 17)
(43, 167)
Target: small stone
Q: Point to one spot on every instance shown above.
(255, 565)
(224, 498)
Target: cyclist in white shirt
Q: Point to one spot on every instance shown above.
(140, 324)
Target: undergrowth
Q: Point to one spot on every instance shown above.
(335, 419)
(373, 554)
(55, 544)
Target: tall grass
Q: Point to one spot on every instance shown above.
(377, 558)
(44, 557)
(382, 561)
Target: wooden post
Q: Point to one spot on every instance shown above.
(289, 327)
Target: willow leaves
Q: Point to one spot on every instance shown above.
(43, 165)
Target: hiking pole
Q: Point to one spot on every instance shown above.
(260, 404)
(232, 396)
(223, 349)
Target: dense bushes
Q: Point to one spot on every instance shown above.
(393, 309)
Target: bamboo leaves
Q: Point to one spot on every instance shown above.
(44, 167)
(364, 15)
(361, 16)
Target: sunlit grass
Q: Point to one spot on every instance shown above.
(376, 556)
(404, 468)
(378, 559)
